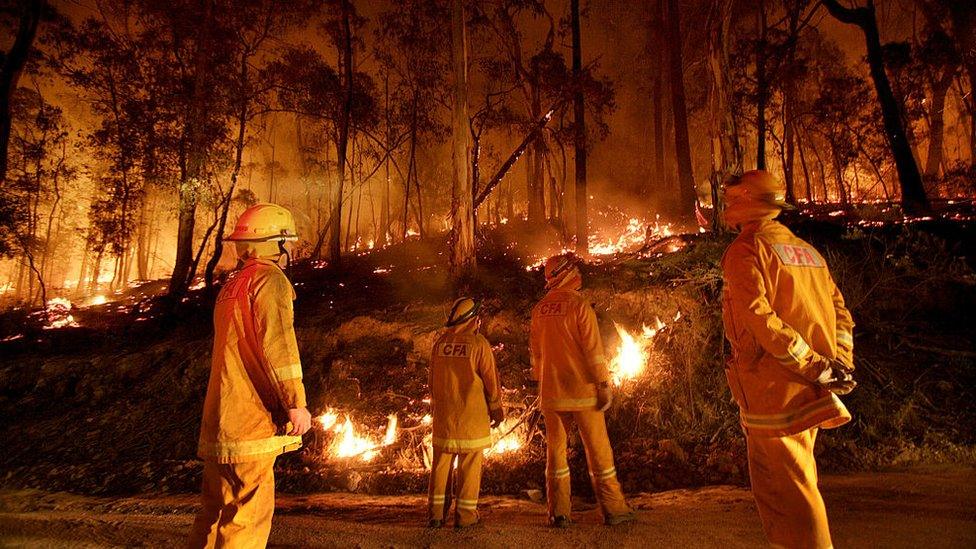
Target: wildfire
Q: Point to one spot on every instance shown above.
(508, 437)
(634, 353)
(57, 314)
(349, 442)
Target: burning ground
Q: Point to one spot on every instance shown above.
(109, 403)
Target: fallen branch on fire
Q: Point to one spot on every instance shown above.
(516, 154)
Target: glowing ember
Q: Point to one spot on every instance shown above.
(98, 300)
(634, 353)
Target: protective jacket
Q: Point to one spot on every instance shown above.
(782, 313)
(566, 351)
(255, 374)
(464, 385)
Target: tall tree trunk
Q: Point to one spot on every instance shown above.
(384, 229)
(914, 200)
(762, 88)
(11, 65)
(208, 275)
(463, 259)
(687, 193)
(579, 142)
(660, 66)
(806, 170)
(191, 177)
(335, 236)
(937, 124)
(534, 176)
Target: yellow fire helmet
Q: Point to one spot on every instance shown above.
(559, 268)
(264, 222)
(463, 310)
(757, 185)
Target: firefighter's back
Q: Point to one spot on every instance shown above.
(239, 395)
(460, 410)
(565, 380)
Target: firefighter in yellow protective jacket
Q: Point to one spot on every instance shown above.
(255, 404)
(569, 365)
(792, 354)
(465, 396)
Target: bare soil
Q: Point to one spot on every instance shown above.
(931, 506)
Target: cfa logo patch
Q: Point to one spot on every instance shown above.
(552, 309)
(797, 256)
(454, 350)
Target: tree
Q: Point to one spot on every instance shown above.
(914, 200)
(579, 114)
(11, 65)
(687, 193)
(463, 260)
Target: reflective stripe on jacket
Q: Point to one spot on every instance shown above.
(781, 309)
(566, 351)
(464, 385)
(255, 372)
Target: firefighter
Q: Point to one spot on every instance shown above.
(465, 395)
(570, 369)
(255, 404)
(792, 354)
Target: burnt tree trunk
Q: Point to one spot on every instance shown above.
(335, 234)
(762, 89)
(463, 260)
(687, 195)
(196, 155)
(940, 88)
(11, 65)
(579, 142)
(914, 200)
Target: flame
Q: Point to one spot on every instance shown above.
(349, 442)
(391, 430)
(57, 314)
(328, 419)
(507, 437)
(634, 353)
(98, 300)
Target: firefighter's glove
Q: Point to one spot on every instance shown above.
(838, 364)
(837, 380)
(604, 396)
(497, 416)
(300, 420)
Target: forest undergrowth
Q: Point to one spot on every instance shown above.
(113, 406)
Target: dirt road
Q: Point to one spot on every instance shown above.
(922, 507)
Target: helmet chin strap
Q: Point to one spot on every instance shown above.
(283, 252)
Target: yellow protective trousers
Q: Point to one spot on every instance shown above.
(783, 473)
(442, 489)
(237, 504)
(599, 456)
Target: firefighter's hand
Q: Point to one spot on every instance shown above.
(301, 421)
(841, 365)
(604, 397)
(840, 382)
(497, 416)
